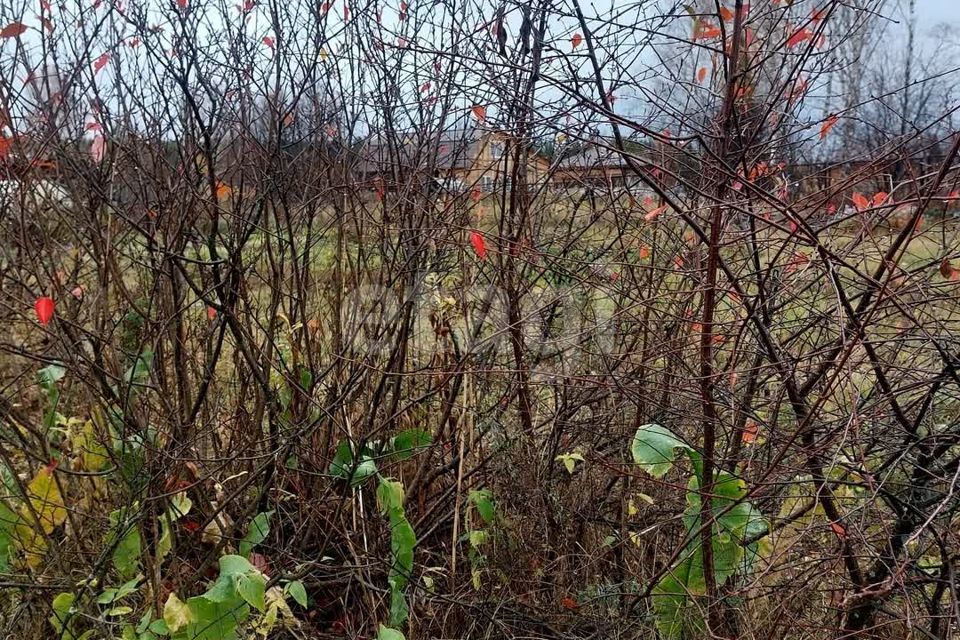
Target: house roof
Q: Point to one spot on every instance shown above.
(594, 154)
(455, 149)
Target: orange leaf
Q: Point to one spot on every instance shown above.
(827, 125)
(479, 112)
(576, 40)
(569, 603)
(839, 530)
(652, 215)
(750, 431)
(5, 144)
(13, 30)
(701, 74)
(211, 313)
(860, 201)
(705, 30)
(879, 198)
(223, 190)
(644, 252)
(479, 246)
(726, 14)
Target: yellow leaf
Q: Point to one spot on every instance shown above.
(176, 613)
(92, 455)
(45, 498)
(31, 542)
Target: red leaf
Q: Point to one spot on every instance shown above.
(644, 252)
(839, 530)
(46, 24)
(182, 4)
(860, 201)
(726, 14)
(44, 309)
(479, 246)
(750, 431)
(701, 74)
(479, 112)
(879, 198)
(576, 40)
(425, 87)
(267, 40)
(13, 30)
(569, 603)
(100, 62)
(946, 269)
(801, 35)
(827, 125)
(98, 148)
(476, 194)
(5, 144)
(211, 313)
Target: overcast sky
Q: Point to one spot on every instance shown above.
(934, 11)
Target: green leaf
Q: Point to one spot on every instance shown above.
(8, 520)
(50, 375)
(231, 565)
(298, 592)
(159, 627)
(126, 553)
(482, 499)
(390, 495)
(257, 532)
(215, 620)
(343, 465)
(109, 596)
(654, 449)
(140, 371)
(62, 605)
(252, 588)
(386, 633)
(406, 443)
